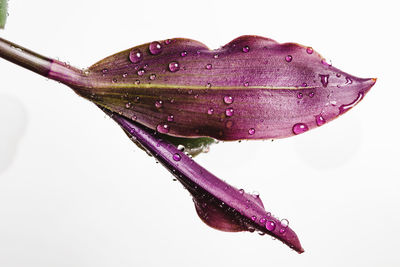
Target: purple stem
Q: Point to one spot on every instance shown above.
(47, 67)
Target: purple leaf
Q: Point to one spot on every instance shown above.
(218, 204)
(251, 88)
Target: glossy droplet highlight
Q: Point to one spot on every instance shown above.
(246, 84)
(299, 128)
(228, 99)
(208, 66)
(288, 58)
(300, 95)
(270, 225)
(128, 105)
(324, 80)
(241, 191)
(155, 48)
(210, 111)
(319, 120)
(284, 223)
(158, 104)
(309, 50)
(344, 108)
(135, 56)
(168, 41)
(252, 131)
(176, 157)
(348, 81)
(170, 118)
(253, 218)
(173, 66)
(141, 72)
(152, 77)
(163, 128)
(246, 49)
(229, 112)
(183, 54)
(311, 94)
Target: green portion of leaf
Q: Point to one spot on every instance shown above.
(191, 146)
(3, 13)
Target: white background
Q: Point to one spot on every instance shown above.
(74, 191)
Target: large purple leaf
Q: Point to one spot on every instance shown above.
(251, 88)
(218, 204)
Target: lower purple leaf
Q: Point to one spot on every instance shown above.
(217, 203)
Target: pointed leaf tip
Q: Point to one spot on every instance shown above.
(251, 88)
(218, 204)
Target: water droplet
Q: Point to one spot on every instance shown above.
(208, 85)
(128, 105)
(163, 128)
(135, 56)
(173, 66)
(348, 81)
(319, 120)
(246, 84)
(246, 49)
(104, 71)
(338, 75)
(300, 95)
(155, 48)
(137, 82)
(141, 72)
(181, 147)
(209, 66)
(309, 50)
(228, 99)
(183, 54)
(284, 223)
(229, 124)
(159, 104)
(270, 225)
(229, 112)
(210, 111)
(304, 85)
(170, 118)
(114, 80)
(216, 56)
(252, 131)
(282, 230)
(152, 77)
(324, 62)
(344, 108)
(176, 157)
(241, 191)
(288, 58)
(134, 117)
(253, 218)
(299, 128)
(263, 220)
(137, 99)
(324, 80)
(125, 75)
(168, 41)
(311, 94)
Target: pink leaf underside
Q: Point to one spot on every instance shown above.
(251, 88)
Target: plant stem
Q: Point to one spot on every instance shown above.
(47, 67)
